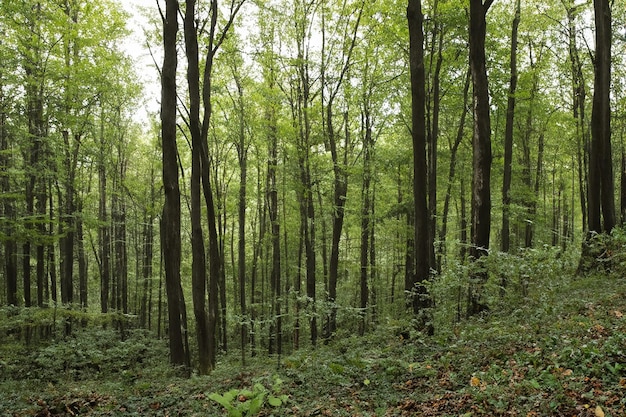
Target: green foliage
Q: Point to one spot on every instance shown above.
(246, 402)
(92, 353)
(559, 350)
(604, 253)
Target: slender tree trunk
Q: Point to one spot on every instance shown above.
(147, 258)
(340, 175)
(578, 109)
(365, 223)
(463, 252)
(82, 261)
(8, 211)
(533, 206)
(508, 135)
(623, 188)
(275, 278)
(42, 299)
(452, 172)
(242, 156)
(119, 233)
(52, 263)
(432, 134)
(104, 242)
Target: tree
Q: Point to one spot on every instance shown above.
(508, 134)
(481, 144)
(170, 223)
(199, 129)
(339, 158)
(198, 270)
(423, 242)
(601, 183)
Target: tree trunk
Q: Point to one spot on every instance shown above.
(601, 183)
(481, 143)
(423, 240)
(8, 211)
(104, 242)
(170, 223)
(242, 156)
(508, 134)
(623, 188)
(340, 175)
(275, 277)
(533, 206)
(198, 269)
(452, 172)
(147, 258)
(82, 261)
(432, 134)
(365, 223)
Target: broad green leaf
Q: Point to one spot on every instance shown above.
(274, 401)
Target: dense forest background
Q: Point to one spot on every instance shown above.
(283, 195)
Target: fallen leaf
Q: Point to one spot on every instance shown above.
(599, 412)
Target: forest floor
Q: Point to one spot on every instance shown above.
(561, 352)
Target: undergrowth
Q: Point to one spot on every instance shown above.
(552, 344)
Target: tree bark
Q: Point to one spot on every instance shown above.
(481, 143)
(452, 172)
(508, 134)
(198, 269)
(8, 211)
(578, 109)
(366, 210)
(601, 183)
(170, 224)
(423, 240)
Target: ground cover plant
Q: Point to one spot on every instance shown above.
(559, 350)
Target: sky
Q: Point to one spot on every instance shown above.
(135, 47)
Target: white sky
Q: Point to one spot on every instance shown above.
(135, 46)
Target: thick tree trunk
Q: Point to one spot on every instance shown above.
(198, 269)
(481, 143)
(601, 183)
(423, 240)
(170, 224)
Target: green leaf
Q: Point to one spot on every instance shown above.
(274, 401)
(222, 400)
(256, 404)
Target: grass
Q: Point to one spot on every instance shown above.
(559, 352)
